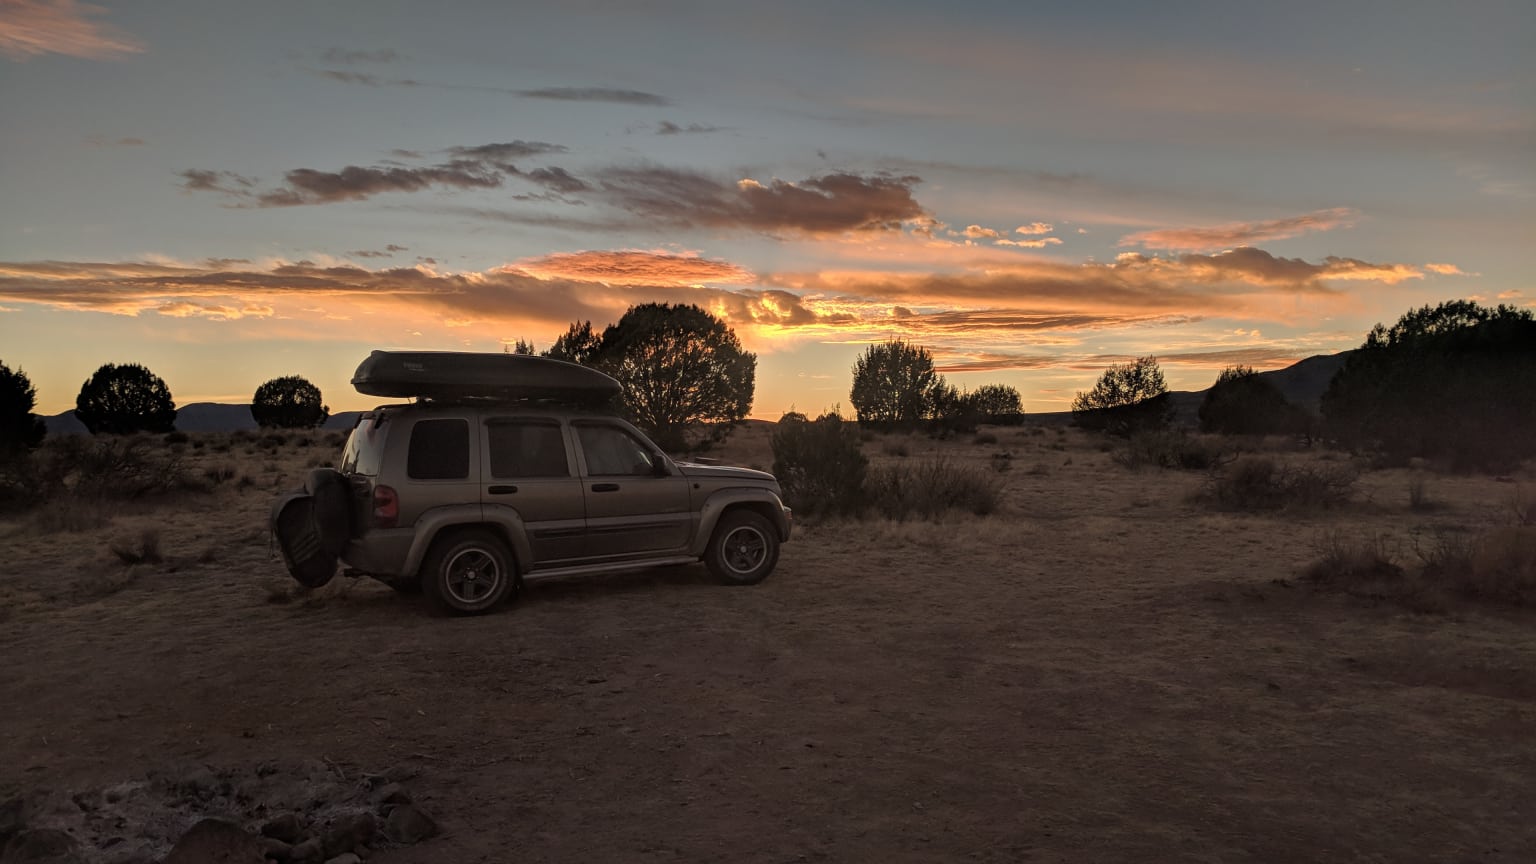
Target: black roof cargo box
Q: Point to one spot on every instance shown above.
(449, 375)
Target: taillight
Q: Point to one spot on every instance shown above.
(386, 507)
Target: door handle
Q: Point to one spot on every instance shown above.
(502, 490)
(605, 487)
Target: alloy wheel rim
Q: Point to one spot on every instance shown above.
(473, 575)
(744, 549)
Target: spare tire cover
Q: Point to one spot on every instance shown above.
(293, 521)
(332, 495)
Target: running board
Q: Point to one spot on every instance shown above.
(610, 567)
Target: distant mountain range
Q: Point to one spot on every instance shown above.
(201, 417)
(1303, 383)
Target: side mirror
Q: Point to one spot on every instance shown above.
(659, 467)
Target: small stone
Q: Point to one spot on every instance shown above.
(345, 858)
(406, 824)
(41, 846)
(389, 794)
(217, 841)
(287, 828)
(201, 784)
(276, 849)
(309, 852)
(349, 832)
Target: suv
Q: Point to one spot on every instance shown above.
(464, 501)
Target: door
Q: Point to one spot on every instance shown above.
(635, 505)
(529, 469)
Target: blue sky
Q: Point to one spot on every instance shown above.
(233, 192)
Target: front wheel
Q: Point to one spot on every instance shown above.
(743, 549)
(467, 573)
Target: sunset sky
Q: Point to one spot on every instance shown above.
(230, 192)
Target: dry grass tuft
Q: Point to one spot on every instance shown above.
(144, 549)
(931, 487)
(1254, 483)
(1171, 448)
(69, 514)
(1496, 566)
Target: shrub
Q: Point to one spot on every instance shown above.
(20, 429)
(1350, 563)
(931, 487)
(290, 402)
(820, 464)
(998, 404)
(894, 385)
(1497, 566)
(115, 467)
(145, 549)
(896, 447)
(1167, 449)
(120, 400)
(1243, 403)
(1127, 398)
(984, 438)
(1455, 383)
(1260, 483)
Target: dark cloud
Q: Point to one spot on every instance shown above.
(829, 204)
(341, 55)
(352, 183)
(405, 154)
(557, 179)
(228, 182)
(594, 94)
(667, 127)
(392, 247)
(507, 151)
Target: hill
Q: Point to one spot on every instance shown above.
(201, 417)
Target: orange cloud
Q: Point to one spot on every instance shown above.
(1196, 239)
(634, 267)
(31, 28)
(1040, 243)
(976, 232)
(1445, 269)
(1035, 228)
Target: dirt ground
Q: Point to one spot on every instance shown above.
(1104, 670)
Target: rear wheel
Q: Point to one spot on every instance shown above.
(743, 549)
(467, 572)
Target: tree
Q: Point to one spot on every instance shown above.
(521, 346)
(290, 402)
(679, 366)
(1454, 382)
(1243, 403)
(894, 384)
(20, 429)
(1127, 398)
(119, 400)
(997, 403)
(580, 344)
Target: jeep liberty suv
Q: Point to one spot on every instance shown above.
(466, 499)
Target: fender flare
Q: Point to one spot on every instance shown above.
(719, 502)
(499, 518)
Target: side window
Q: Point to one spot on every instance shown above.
(439, 450)
(527, 448)
(611, 451)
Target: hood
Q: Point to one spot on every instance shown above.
(692, 469)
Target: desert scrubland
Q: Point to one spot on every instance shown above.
(1110, 666)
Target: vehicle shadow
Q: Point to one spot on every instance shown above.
(579, 588)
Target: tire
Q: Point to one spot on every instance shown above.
(468, 572)
(743, 550)
(333, 508)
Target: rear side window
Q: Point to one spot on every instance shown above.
(527, 448)
(365, 446)
(439, 450)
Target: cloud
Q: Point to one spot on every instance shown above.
(595, 94)
(950, 361)
(1038, 243)
(1035, 228)
(557, 179)
(828, 204)
(1195, 239)
(104, 141)
(480, 167)
(341, 55)
(386, 252)
(635, 267)
(667, 127)
(977, 232)
(1445, 269)
(31, 28)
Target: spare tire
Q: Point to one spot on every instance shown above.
(332, 494)
(294, 524)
